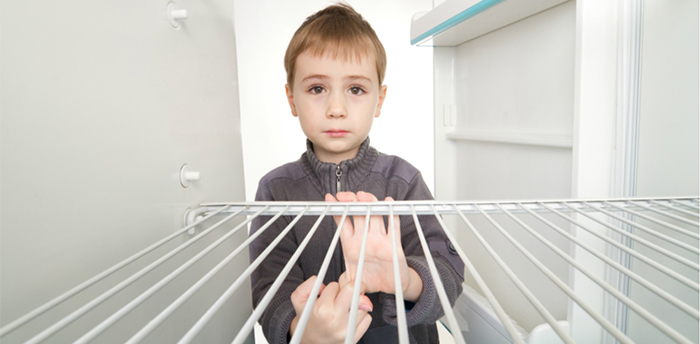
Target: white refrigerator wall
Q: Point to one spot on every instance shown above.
(272, 136)
(530, 111)
(513, 84)
(668, 147)
(101, 104)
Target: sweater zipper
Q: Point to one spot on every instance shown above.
(338, 174)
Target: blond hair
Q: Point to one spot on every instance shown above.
(339, 30)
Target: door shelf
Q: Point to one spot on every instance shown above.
(457, 21)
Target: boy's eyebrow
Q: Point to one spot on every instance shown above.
(315, 76)
(353, 77)
(322, 76)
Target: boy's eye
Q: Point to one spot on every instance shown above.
(316, 89)
(356, 90)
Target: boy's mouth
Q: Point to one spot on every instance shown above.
(336, 133)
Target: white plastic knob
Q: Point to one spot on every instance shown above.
(175, 15)
(187, 176)
(178, 14)
(192, 175)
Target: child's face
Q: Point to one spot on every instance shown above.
(336, 101)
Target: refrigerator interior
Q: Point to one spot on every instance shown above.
(523, 111)
(563, 99)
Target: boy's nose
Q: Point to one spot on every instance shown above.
(336, 107)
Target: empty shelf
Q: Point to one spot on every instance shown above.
(661, 233)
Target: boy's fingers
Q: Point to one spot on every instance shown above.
(344, 279)
(344, 298)
(346, 196)
(357, 223)
(362, 326)
(366, 197)
(365, 304)
(347, 226)
(397, 222)
(346, 232)
(331, 199)
(302, 293)
(376, 222)
(347, 278)
(329, 294)
(363, 319)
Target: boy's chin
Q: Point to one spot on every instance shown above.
(335, 154)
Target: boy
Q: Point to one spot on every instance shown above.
(335, 68)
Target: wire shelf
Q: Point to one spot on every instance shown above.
(661, 233)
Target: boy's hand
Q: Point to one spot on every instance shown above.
(378, 271)
(329, 316)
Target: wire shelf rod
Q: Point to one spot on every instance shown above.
(352, 319)
(669, 331)
(541, 309)
(614, 292)
(262, 305)
(662, 293)
(70, 293)
(40, 337)
(442, 295)
(659, 222)
(500, 313)
(141, 334)
(642, 241)
(544, 312)
(563, 286)
(690, 283)
(667, 214)
(206, 317)
(677, 209)
(306, 313)
(648, 230)
(691, 206)
(398, 294)
(112, 319)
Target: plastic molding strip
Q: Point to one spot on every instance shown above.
(668, 227)
(454, 22)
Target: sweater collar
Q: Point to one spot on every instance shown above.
(354, 170)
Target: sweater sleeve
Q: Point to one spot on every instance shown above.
(278, 316)
(450, 267)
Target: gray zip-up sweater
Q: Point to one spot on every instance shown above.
(309, 179)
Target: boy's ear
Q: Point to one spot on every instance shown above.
(382, 96)
(290, 99)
